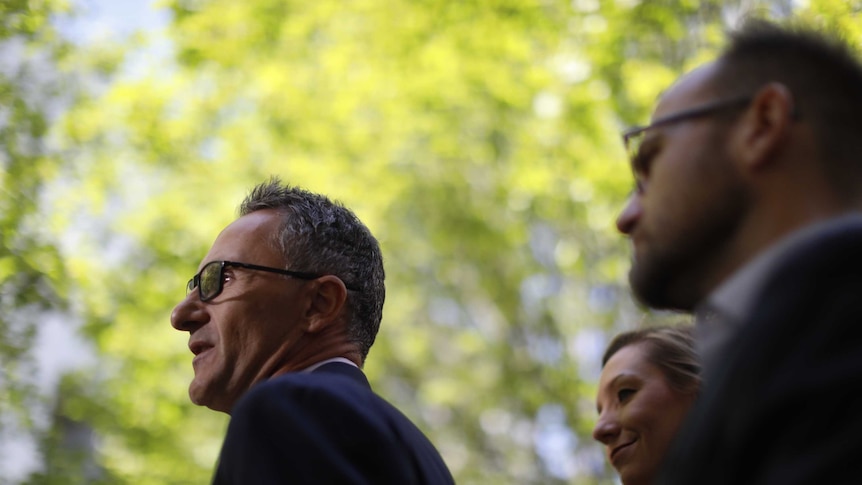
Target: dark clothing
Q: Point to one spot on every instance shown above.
(784, 404)
(324, 427)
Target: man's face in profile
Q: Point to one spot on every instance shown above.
(237, 336)
(688, 202)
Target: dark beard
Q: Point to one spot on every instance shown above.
(654, 283)
(681, 274)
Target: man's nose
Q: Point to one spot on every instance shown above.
(630, 214)
(189, 314)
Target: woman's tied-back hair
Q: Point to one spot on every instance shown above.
(670, 348)
(321, 236)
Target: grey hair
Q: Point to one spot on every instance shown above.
(319, 235)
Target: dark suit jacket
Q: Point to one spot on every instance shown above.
(785, 405)
(324, 427)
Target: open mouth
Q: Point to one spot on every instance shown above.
(199, 347)
(200, 355)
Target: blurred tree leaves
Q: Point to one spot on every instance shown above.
(477, 139)
(31, 269)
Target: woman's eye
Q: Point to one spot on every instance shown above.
(624, 394)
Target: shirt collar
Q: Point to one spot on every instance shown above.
(343, 360)
(735, 298)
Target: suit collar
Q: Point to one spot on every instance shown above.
(738, 295)
(312, 367)
(347, 370)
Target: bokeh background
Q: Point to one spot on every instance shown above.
(478, 139)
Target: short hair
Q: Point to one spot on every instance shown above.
(823, 74)
(670, 348)
(322, 236)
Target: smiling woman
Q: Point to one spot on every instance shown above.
(649, 380)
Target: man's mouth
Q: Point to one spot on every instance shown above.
(201, 356)
(199, 346)
(200, 349)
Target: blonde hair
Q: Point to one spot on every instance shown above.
(670, 348)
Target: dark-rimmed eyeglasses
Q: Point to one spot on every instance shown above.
(210, 279)
(633, 137)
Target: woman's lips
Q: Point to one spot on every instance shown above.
(620, 452)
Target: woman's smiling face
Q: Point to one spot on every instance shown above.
(639, 414)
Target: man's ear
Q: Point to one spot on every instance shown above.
(763, 126)
(328, 296)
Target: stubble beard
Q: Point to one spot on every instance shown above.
(663, 280)
(676, 275)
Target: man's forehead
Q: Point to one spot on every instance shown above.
(243, 237)
(691, 89)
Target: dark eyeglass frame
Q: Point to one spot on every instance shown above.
(195, 281)
(689, 114)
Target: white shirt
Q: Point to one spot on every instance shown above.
(327, 361)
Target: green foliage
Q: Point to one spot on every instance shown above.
(477, 139)
(31, 268)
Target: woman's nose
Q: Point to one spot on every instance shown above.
(606, 429)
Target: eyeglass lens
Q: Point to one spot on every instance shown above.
(633, 144)
(208, 280)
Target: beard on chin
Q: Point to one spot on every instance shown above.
(680, 261)
(653, 281)
(679, 275)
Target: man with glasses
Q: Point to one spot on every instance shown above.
(746, 211)
(281, 316)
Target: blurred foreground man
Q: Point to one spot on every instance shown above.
(281, 315)
(746, 210)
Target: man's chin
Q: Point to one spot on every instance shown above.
(210, 394)
(652, 288)
(198, 392)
